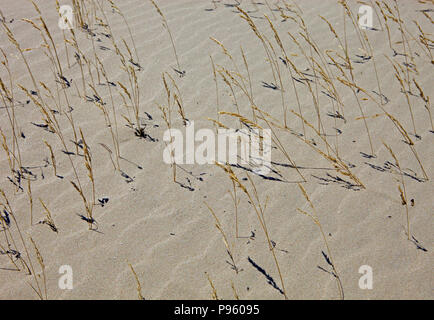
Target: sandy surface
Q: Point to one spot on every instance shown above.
(164, 229)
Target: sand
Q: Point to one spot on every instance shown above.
(164, 229)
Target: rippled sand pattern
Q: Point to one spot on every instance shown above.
(164, 229)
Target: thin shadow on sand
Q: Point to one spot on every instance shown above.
(270, 280)
(418, 244)
(269, 85)
(387, 167)
(92, 221)
(265, 177)
(182, 185)
(189, 184)
(131, 162)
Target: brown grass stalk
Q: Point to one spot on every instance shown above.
(219, 227)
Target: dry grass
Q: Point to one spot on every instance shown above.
(41, 289)
(48, 218)
(259, 209)
(139, 286)
(166, 115)
(298, 80)
(402, 191)
(14, 251)
(315, 219)
(53, 158)
(214, 295)
(166, 26)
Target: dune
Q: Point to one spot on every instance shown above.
(90, 209)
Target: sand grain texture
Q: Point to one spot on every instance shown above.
(164, 229)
